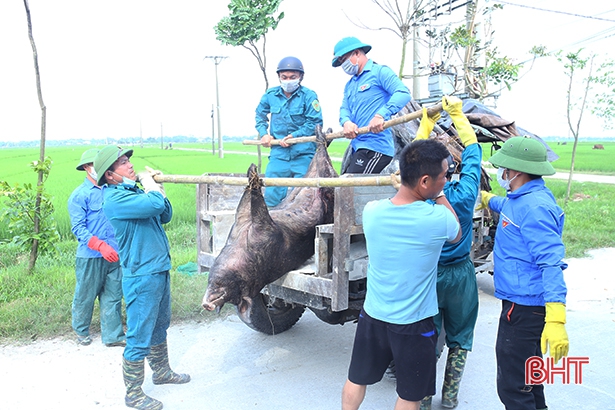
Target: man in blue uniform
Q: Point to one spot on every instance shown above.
(137, 215)
(295, 112)
(528, 270)
(404, 236)
(97, 268)
(457, 289)
(372, 95)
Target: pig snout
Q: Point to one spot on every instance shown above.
(213, 300)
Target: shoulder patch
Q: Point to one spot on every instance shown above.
(316, 105)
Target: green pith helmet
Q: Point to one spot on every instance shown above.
(87, 158)
(523, 154)
(346, 45)
(106, 157)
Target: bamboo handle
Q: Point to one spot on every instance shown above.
(348, 180)
(363, 130)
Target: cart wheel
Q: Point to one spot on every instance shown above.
(272, 315)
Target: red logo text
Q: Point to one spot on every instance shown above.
(539, 370)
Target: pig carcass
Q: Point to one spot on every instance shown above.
(264, 244)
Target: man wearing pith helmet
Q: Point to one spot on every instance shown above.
(528, 269)
(373, 94)
(137, 215)
(284, 112)
(97, 268)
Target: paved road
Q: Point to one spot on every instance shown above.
(234, 367)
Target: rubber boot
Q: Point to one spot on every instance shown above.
(158, 359)
(426, 403)
(134, 374)
(455, 363)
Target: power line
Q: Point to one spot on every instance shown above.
(555, 11)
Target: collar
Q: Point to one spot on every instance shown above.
(531, 186)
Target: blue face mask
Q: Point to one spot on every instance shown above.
(350, 68)
(127, 182)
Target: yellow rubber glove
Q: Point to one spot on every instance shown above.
(453, 106)
(485, 197)
(427, 124)
(554, 333)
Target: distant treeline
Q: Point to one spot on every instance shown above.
(120, 141)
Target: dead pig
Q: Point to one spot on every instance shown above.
(265, 244)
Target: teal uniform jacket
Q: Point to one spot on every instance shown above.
(297, 115)
(462, 196)
(137, 218)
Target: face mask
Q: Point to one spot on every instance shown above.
(290, 86)
(350, 68)
(505, 183)
(93, 175)
(127, 182)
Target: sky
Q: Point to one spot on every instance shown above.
(132, 68)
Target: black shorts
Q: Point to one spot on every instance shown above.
(412, 347)
(365, 161)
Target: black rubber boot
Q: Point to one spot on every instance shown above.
(134, 374)
(455, 363)
(158, 359)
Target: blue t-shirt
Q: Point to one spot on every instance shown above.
(376, 90)
(404, 244)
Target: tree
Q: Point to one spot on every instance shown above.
(460, 48)
(248, 24)
(41, 170)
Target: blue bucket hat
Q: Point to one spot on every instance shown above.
(346, 45)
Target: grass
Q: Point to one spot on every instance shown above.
(38, 305)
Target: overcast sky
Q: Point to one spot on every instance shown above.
(121, 68)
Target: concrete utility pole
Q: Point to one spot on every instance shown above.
(218, 60)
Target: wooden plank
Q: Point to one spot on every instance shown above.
(343, 217)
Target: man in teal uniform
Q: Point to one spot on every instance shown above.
(456, 287)
(295, 112)
(137, 215)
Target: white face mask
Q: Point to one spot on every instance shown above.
(290, 86)
(350, 68)
(505, 183)
(93, 174)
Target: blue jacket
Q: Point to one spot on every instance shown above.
(296, 115)
(462, 195)
(376, 90)
(528, 250)
(137, 218)
(87, 219)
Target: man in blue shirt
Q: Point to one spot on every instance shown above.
(295, 112)
(456, 286)
(404, 236)
(137, 215)
(372, 95)
(527, 270)
(97, 269)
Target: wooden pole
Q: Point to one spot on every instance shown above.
(347, 180)
(363, 130)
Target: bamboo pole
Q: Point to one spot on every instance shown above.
(348, 180)
(363, 130)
